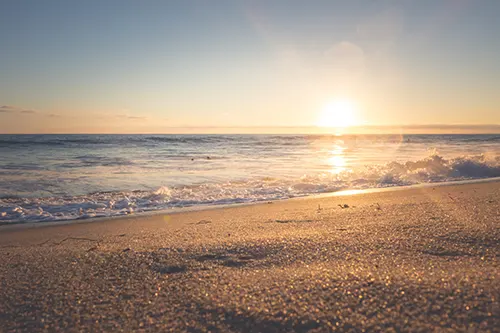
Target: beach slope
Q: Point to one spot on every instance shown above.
(418, 259)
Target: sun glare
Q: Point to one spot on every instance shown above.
(337, 114)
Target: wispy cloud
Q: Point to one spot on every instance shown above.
(20, 110)
(16, 109)
(137, 117)
(8, 108)
(128, 117)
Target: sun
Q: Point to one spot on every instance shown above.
(338, 114)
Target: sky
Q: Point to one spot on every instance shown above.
(130, 66)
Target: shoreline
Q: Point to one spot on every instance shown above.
(422, 259)
(200, 208)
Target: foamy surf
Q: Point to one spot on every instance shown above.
(432, 169)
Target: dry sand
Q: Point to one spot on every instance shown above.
(422, 259)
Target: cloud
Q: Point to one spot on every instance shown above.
(16, 109)
(137, 117)
(23, 111)
(117, 116)
(126, 116)
(7, 108)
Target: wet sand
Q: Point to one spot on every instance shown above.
(422, 259)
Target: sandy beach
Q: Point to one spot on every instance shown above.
(419, 259)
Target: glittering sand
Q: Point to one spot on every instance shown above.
(422, 259)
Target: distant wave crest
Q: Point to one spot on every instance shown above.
(255, 140)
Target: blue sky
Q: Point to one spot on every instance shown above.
(107, 66)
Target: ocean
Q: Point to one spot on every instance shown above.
(68, 177)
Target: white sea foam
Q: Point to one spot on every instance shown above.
(434, 168)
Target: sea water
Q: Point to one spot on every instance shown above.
(64, 177)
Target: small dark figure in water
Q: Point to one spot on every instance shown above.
(208, 157)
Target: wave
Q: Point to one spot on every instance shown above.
(193, 138)
(7, 143)
(251, 140)
(174, 139)
(93, 160)
(479, 138)
(50, 142)
(434, 168)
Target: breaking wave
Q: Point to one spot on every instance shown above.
(434, 168)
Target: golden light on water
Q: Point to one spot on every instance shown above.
(337, 160)
(340, 113)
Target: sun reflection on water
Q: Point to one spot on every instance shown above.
(337, 160)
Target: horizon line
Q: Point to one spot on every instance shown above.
(414, 129)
